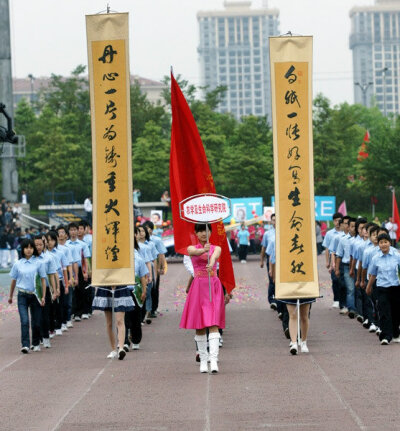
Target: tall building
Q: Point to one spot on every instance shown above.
(375, 41)
(234, 51)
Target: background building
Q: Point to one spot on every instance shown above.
(234, 51)
(375, 42)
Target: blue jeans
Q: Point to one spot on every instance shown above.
(26, 301)
(149, 301)
(350, 288)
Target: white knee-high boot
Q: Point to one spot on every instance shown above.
(201, 341)
(213, 341)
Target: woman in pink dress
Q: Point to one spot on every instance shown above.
(199, 312)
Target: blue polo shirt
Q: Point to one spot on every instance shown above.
(77, 247)
(159, 244)
(24, 272)
(144, 252)
(141, 269)
(67, 253)
(343, 249)
(268, 236)
(243, 236)
(271, 251)
(334, 242)
(328, 237)
(385, 267)
(61, 261)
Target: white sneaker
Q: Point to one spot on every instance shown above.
(135, 346)
(378, 331)
(52, 334)
(293, 348)
(36, 348)
(58, 332)
(64, 327)
(77, 319)
(203, 366)
(25, 350)
(85, 316)
(344, 310)
(69, 324)
(221, 342)
(384, 342)
(243, 261)
(46, 343)
(372, 328)
(396, 340)
(112, 355)
(335, 304)
(304, 348)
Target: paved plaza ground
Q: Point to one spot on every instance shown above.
(347, 382)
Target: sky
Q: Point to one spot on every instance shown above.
(49, 36)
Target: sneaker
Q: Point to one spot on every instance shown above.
(396, 340)
(85, 316)
(304, 348)
(46, 343)
(344, 310)
(90, 315)
(293, 349)
(121, 354)
(335, 304)
(360, 318)
(36, 348)
(384, 342)
(142, 323)
(58, 332)
(25, 350)
(378, 332)
(366, 323)
(52, 334)
(126, 348)
(352, 314)
(69, 324)
(280, 316)
(112, 355)
(372, 328)
(273, 306)
(64, 327)
(148, 320)
(135, 346)
(221, 342)
(287, 333)
(77, 319)
(243, 261)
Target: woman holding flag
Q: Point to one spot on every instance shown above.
(200, 312)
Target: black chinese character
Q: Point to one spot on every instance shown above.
(292, 115)
(291, 97)
(113, 251)
(290, 76)
(293, 132)
(111, 181)
(108, 52)
(296, 267)
(110, 91)
(294, 151)
(113, 228)
(110, 109)
(110, 76)
(295, 173)
(112, 156)
(110, 206)
(294, 196)
(296, 222)
(110, 133)
(295, 245)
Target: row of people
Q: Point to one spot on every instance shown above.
(364, 272)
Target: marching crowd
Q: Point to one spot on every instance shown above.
(53, 280)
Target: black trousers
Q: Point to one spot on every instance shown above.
(389, 311)
(133, 324)
(242, 252)
(45, 325)
(335, 286)
(155, 294)
(58, 307)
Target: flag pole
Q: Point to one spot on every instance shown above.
(298, 326)
(208, 262)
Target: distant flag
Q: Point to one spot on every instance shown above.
(363, 153)
(342, 208)
(395, 214)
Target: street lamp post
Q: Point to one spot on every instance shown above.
(32, 78)
(364, 88)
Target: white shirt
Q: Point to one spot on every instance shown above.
(88, 205)
(392, 228)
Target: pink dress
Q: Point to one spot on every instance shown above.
(199, 312)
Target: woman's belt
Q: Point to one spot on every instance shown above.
(203, 273)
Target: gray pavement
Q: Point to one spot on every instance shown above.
(347, 382)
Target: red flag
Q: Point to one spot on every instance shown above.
(363, 153)
(189, 174)
(395, 214)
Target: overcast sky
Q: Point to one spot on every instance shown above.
(49, 36)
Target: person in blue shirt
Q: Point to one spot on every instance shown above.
(133, 318)
(23, 277)
(243, 239)
(87, 247)
(337, 217)
(384, 269)
(160, 267)
(269, 236)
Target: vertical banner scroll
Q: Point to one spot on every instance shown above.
(113, 248)
(291, 84)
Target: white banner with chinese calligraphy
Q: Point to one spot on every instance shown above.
(296, 274)
(113, 246)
